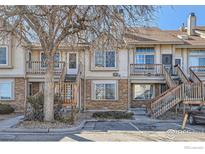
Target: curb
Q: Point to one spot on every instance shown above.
(46, 130)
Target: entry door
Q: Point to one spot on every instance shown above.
(72, 63)
(167, 61)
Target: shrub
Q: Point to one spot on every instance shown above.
(113, 115)
(35, 108)
(6, 109)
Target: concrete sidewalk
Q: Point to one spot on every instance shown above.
(8, 123)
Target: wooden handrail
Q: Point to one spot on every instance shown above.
(184, 92)
(181, 74)
(166, 102)
(193, 75)
(165, 95)
(168, 78)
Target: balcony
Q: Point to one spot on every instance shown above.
(39, 68)
(146, 69)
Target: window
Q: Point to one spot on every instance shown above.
(163, 88)
(178, 61)
(3, 56)
(72, 60)
(201, 61)
(197, 58)
(56, 60)
(144, 56)
(104, 91)
(29, 59)
(30, 89)
(143, 91)
(105, 59)
(44, 59)
(6, 90)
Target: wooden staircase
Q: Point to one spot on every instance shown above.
(183, 91)
(166, 102)
(69, 86)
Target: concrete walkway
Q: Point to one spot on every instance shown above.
(8, 123)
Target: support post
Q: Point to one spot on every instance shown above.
(184, 121)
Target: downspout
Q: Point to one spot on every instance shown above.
(84, 83)
(128, 76)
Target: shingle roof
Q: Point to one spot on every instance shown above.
(152, 35)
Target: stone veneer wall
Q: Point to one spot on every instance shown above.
(19, 95)
(120, 104)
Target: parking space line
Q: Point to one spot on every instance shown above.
(134, 126)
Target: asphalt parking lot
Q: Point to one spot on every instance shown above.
(139, 126)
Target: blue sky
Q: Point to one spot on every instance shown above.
(171, 17)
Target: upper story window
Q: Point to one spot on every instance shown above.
(105, 59)
(197, 58)
(144, 56)
(3, 56)
(44, 58)
(72, 60)
(6, 90)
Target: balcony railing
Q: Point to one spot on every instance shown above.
(38, 67)
(146, 69)
(198, 69)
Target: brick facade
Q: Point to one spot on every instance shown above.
(120, 104)
(19, 95)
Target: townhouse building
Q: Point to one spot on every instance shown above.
(155, 68)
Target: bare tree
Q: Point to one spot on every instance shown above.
(51, 26)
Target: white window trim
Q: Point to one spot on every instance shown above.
(105, 59)
(143, 53)
(133, 93)
(54, 67)
(7, 55)
(93, 90)
(12, 90)
(180, 59)
(76, 60)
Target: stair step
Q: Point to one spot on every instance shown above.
(139, 111)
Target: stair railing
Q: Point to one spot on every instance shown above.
(166, 102)
(168, 78)
(181, 74)
(193, 76)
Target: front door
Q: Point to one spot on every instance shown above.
(72, 67)
(167, 61)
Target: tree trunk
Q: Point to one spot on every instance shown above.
(49, 90)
